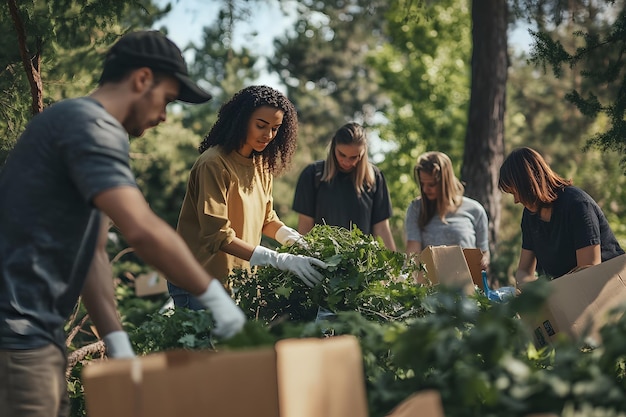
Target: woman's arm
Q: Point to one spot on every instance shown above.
(239, 248)
(305, 224)
(272, 227)
(526, 268)
(413, 247)
(484, 261)
(382, 229)
(589, 255)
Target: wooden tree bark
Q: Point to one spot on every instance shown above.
(484, 140)
(30, 61)
(95, 349)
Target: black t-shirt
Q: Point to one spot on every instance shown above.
(576, 222)
(336, 202)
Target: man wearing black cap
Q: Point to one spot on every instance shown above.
(66, 177)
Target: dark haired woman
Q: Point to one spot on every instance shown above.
(228, 205)
(563, 228)
(345, 190)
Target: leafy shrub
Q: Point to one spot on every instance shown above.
(362, 275)
(477, 354)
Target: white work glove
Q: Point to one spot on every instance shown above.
(229, 319)
(301, 266)
(287, 236)
(118, 345)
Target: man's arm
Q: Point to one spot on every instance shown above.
(160, 246)
(382, 229)
(98, 293)
(152, 238)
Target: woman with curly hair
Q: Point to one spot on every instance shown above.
(228, 205)
(563, 228)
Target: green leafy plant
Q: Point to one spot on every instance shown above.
(362, 275)
(479, 355)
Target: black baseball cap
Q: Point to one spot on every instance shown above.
(152, 49)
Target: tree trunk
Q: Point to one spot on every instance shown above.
(484, 140)
(30, 61)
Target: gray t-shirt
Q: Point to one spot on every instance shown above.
(467, 226)
(48, 226)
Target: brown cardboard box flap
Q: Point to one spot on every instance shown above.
(151, 283)
(299, 378)
(318, 376)
(473, 257)
(185, 383)
(580, 302)
(446, 265)
(423, 404)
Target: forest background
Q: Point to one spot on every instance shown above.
(420, 75)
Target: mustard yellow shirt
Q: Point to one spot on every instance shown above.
(227, 195)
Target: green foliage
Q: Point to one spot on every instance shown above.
(479, 357)
(218, 64)
(478, 354)
(598, 58)
(161, 161)
(539, 116)
(322, 61)
(425, 69)
(76, 391)
(362, 275)
(176, 329)
(69, 37)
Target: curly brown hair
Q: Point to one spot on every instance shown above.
(230, 129)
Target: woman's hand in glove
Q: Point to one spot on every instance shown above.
(301, 266)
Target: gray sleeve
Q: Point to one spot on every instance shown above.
(482, 229)
(97, 156)
(411, 228)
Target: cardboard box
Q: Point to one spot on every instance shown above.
(580, 301)
(423, 404)
(473, 257)
(296, 378)
(446, 265)
(150, 284)
(428, 404)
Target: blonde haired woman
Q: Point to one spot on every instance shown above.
(346, 190)
(442, 215)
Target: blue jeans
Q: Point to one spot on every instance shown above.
(182, 299)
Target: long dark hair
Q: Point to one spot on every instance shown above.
(230, 129)
(526, 172)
